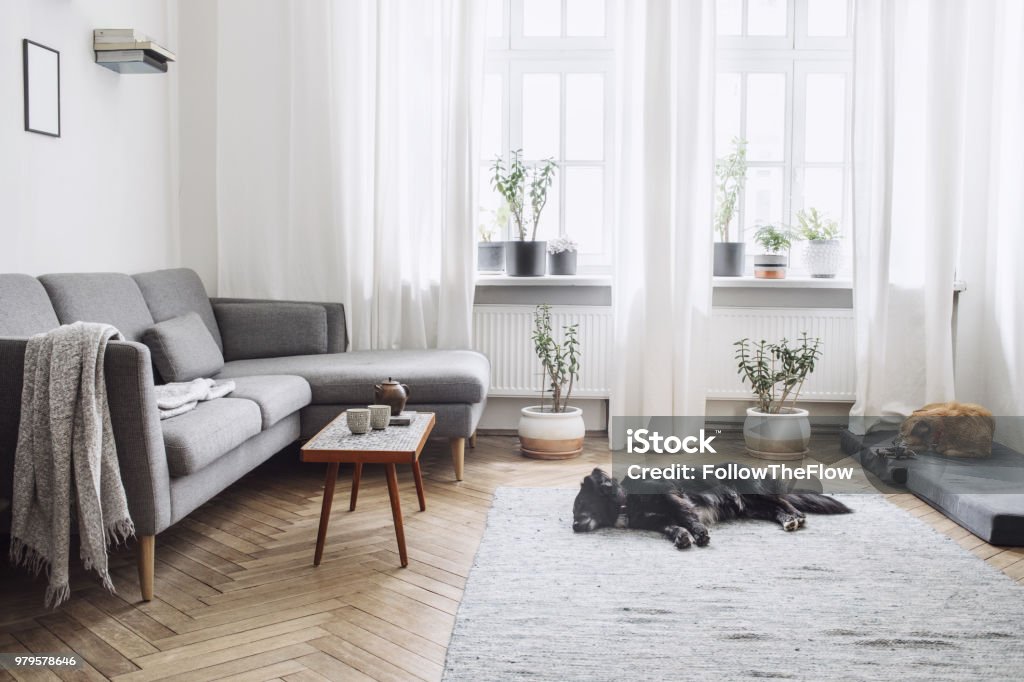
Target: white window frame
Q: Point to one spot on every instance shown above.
(511, 56)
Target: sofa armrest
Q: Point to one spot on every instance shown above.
(12, 363)
(140, 442)
(337, 329)
(133, 414)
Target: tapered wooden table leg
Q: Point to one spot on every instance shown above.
(325, 511)
(396, 512)
(356, 477)
(418, 475)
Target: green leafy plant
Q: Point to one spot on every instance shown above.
(496, 224)
(777, 371)
(816, 226)
(524, 189)
(774, 238)
(731, 174)
(560, 360)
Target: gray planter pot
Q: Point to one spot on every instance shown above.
(563, 263)
(525, 259)
(770, 265)
(730, 259)
(490, 256)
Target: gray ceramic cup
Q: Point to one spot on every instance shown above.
(358, 419)
(380, 416)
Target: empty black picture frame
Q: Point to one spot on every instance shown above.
(41, 81)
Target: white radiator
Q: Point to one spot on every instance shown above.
(503, 333)
(833, 377)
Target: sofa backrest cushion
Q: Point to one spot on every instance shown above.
(110, 298)
(25, 309)
(173, 293)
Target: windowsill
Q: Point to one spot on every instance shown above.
(747, 282)
(484, 279)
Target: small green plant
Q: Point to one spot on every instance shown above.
(524, 189)
(777, 371)
(560, 360)
(731, 174)
(816, 226)
(774, 238)
(496, 224)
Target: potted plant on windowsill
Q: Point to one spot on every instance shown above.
(823, 251)
(554, 430)
(775, 240)
(776, 428)
(490, 254)
(525, 191)
(731, 175)
(562, 256)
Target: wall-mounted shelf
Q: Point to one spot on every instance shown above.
(125, 50)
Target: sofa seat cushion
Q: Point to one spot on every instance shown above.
(213, 429)
(433, 376)
(276, 395)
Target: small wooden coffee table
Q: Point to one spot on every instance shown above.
(335, 444)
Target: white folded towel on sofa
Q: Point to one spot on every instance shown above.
(183, 396)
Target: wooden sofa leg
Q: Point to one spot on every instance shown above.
(472, 441)
(147, 563)
(458, 455)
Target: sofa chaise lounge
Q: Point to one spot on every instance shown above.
(289, 360)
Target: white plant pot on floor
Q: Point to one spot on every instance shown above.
(551, 435)
(782, 436)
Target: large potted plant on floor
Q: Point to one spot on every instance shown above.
(823, 250)
(775, 240)
(776, 428)
(525, 191)
(553, 430)
(731, 175)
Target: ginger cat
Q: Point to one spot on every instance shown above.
(951, 429)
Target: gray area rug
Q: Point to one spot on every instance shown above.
(874, 595)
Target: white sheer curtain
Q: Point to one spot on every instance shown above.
(347, 160)
(907, 156)
(664, 176)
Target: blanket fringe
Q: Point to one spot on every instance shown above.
(28, 557)
(57, 595)
(119, 532)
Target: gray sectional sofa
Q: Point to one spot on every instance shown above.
(288, 359)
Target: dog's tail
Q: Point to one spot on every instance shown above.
(816, 503)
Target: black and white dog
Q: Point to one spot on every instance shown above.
(683, 511)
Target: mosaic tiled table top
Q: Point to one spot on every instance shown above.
(336, 436)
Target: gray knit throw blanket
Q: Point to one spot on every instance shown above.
(66, 466)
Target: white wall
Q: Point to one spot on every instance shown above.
(103, 196)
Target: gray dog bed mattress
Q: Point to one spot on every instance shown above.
(985, 496)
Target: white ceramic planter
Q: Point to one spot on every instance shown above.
(822, 257)
(551, 435)
(782, 436)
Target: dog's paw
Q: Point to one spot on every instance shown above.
(790, 523)
(801, 521)
(701, 537)
(681, 538)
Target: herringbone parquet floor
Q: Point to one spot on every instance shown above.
(237, 596)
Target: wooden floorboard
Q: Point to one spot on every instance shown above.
(238, 598)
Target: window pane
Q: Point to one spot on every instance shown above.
(730, 17)
(766, 18)
(584, 116)
(825, 123)
(766, 116)
(541, 110)
(542, 18)
(826, 18)
(495, 18)
(549, 217)
(584, 208)
(490, 143)
(727, 112)
(763, 199)
(823, 190)
(584, 17)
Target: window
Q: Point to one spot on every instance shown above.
(785, 86)
(548, 91)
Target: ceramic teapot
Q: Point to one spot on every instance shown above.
(391, 393)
